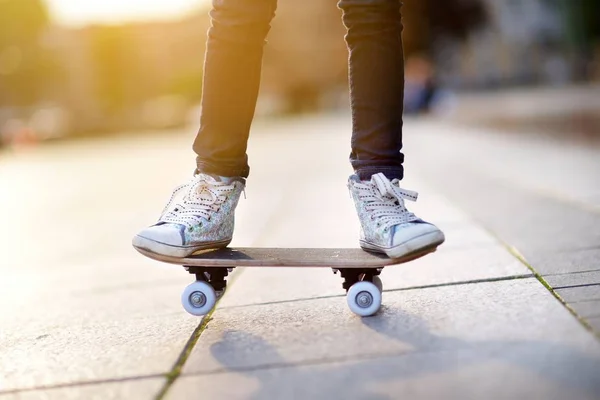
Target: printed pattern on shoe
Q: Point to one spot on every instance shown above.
(386, 224)
(199, 215)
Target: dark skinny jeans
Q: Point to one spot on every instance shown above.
(232, 72)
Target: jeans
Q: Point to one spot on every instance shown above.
(232, 72)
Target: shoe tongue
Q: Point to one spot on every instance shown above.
(210, 178)
(227, 180)
(216, 178)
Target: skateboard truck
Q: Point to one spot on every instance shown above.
(214, 276)
(353, 275)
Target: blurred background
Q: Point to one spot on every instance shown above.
(73, 69)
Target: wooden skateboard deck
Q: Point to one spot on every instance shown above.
(285, 257)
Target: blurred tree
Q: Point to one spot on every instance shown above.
(591, 11)
(26, 66)
(583, 21)
(587, 17)
(188, 85)
(116, 68)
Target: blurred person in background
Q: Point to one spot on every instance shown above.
(200, 213)
(420, 86)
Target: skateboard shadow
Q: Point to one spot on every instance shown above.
(373, 376)
(226, 253)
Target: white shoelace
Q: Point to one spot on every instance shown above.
(385, 201)
(195, 201)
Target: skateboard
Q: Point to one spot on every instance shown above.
(359, 269)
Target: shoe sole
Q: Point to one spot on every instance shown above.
(420, 246)
(154, 247)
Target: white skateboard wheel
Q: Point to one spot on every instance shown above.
(364, 298)
(377, 282)
(198, 298)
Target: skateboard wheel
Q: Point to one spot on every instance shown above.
(364, 298)
(377, 282)
(198, 298)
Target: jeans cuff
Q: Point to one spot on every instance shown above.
(365, 173)
(209, 168)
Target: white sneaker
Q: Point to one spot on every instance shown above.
(200, 215)
(387, 226)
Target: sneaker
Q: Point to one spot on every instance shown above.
(200, 215)
(386, 225)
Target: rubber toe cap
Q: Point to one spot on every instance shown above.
(169, 234)
(407, 232)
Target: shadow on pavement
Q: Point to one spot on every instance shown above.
(438, 365)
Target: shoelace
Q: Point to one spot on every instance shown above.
(385, 201)
(192, 203)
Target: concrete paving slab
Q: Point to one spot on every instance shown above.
(534, 162)
(88, 296)
(262, 285)
(565, 262)
(583, 293)
(450, 266)
(509, 371)
(266, 285)
(496, 194)
(466, 236)
(99, 350)
(518, 215)
(133, 389)
(574, 279)
(594, 323)
(431, 205)
(587, 309)
(513, 312)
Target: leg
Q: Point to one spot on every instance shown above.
(374, 41)
(231, 81)
(376, 67)
(200, 214)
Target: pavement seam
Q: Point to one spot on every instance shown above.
(437, 285)
(175, 371)
(585, 301)
(573, 273)
(513, 250)
(183, 357)
(576, 286)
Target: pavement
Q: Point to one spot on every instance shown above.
(508, 307)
